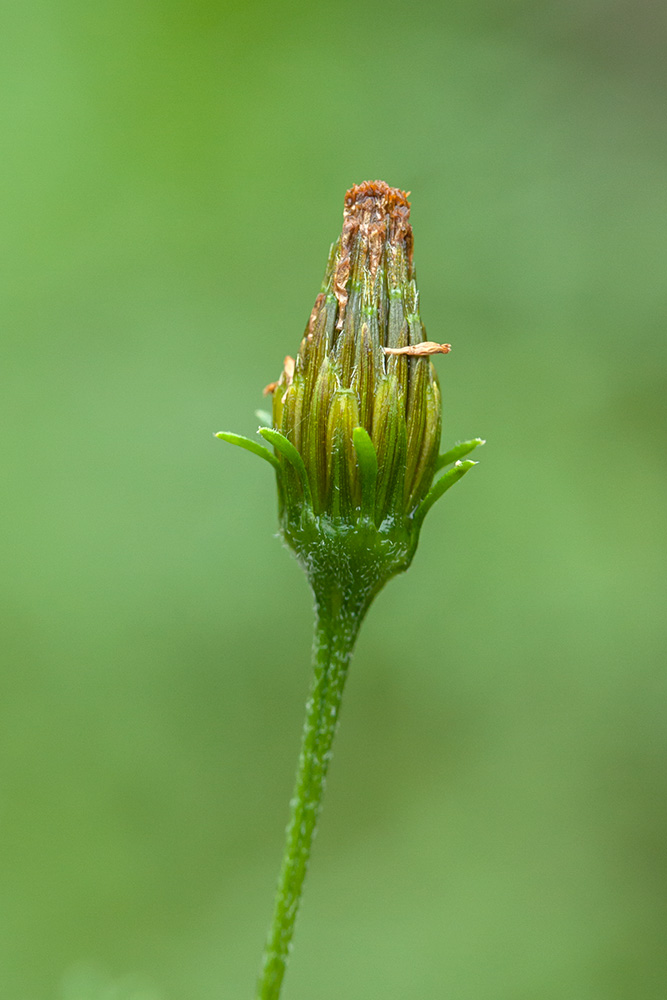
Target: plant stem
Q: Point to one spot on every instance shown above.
(336, 628)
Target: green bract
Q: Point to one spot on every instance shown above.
(356, 417)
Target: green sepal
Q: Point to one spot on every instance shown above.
(457, 452)
(368, 470)
(389, 437)
(439, 487)
(313, 445)
(288, 451)
(396, 496)
(343, 492)
(253, 446)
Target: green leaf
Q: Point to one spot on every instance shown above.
(439, 487)
(458, 451)
(253, 446)
(368, 470)
(288, 451)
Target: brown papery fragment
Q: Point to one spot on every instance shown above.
(420, 350)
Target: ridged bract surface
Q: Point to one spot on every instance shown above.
(342, 377)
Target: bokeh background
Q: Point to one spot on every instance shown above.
(173, 174)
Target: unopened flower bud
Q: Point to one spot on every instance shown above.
(365, 337)
(356, 416)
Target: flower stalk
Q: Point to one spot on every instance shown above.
(355, 433)
(336, 629)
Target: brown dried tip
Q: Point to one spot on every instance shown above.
(288, 372)
(315, 313)
(420, 350)
(376, 214)
(386, 197)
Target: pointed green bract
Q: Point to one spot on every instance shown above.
(253, 446)
(440, 487)
(368, 470)
(457, 452)
(343, 488)
(288, 451)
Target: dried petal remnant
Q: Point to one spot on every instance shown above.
(285, 379)
(314, 313)
(422, 350)
(378, 214)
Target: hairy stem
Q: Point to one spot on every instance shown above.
(336, 629)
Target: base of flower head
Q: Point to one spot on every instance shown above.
(353, 552)
(349, 563)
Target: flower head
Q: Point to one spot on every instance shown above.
(356, 416)
(363, 362)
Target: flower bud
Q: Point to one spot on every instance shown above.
(344, 378)
(356, 416)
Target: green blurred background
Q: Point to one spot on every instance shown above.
(173, 174)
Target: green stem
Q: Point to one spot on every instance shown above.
(336, 629)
